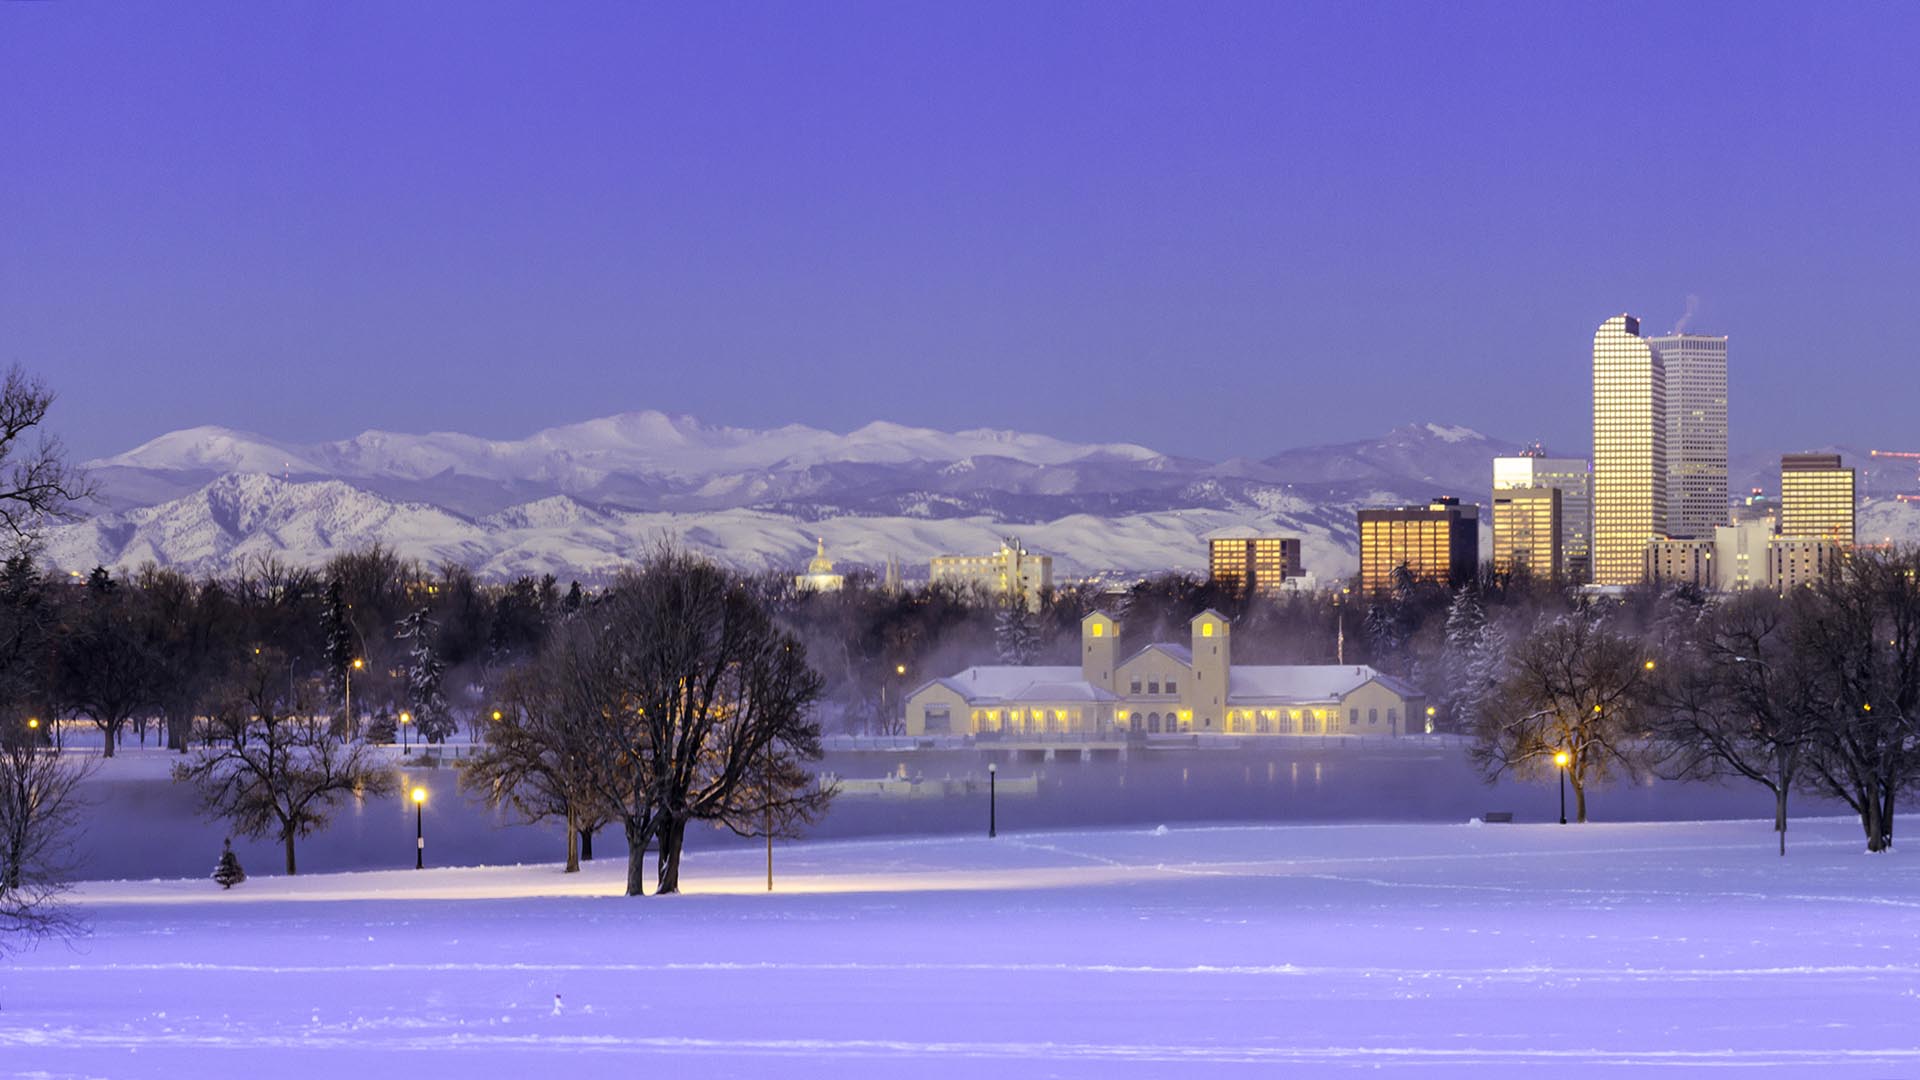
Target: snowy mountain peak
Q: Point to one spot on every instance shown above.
(1454, 434)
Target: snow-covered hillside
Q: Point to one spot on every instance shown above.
(581, 500)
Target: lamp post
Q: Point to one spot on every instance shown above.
(993, 829)
(1560, 760)
(1430, 711)
(351, 668)
(405, 719)
(419, 828)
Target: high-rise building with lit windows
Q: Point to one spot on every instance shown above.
(1573, 478)
(1260, 565)
(1816, 499)
(1527, 532)
(1629, 451)
(1696, 368)
(1438, 542)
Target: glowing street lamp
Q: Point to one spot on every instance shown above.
(1430, 719)
(419, 828)
(1560, 761)
(405, 719)
(351, 668)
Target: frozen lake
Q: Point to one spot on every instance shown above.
(142, 825)
(1435, 950)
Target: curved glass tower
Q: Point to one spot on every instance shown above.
(1629, 450)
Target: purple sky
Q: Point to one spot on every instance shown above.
(1212, 229)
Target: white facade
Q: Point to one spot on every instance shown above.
(1696, 367)
(1740, 555)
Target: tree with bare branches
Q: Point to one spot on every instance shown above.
(723, 699)
(1573, 686)
(37, 483)
(292, 767)
(39, 810)
(1733, 698)
(1858, 633)
(537, 757)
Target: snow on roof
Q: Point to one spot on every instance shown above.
(1076, 690)
(1003, 682)
(1306, 682)
(1178, 652)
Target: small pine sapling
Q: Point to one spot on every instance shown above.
(228, 873)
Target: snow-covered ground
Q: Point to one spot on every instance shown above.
(1435, 950)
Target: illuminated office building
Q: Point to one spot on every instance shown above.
(1261, 565)
(1439, 543)
(1816, 499)
(1574, 480)
(1527, 525)
(1696, 370)
(1629, 451)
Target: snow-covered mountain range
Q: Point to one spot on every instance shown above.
(583, 499)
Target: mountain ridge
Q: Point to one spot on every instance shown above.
(583, 499)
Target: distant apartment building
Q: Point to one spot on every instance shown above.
(1796, 562)
(1629, 451)
(1679, 562)
(1257, 565)
(1527, 532)
(1439, 543)
(1012, 572)
(1816, 499)
(1696, 377)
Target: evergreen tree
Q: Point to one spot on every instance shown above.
(1471, 660)
(1015, 637)
(424, 673)
(339, 633)
(228, 872)
(572, 603)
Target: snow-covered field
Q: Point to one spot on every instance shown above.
(1435, 950)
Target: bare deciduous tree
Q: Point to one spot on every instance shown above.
(1731, 698)
(1859, 635)
(291, 768)
(37, 484)
(39, 809)
(1573, 686)
(537, 756)
(723, 698)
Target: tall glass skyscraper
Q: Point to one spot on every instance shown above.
(1696, 432)
(1629, 450)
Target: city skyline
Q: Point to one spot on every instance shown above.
(283, 224)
